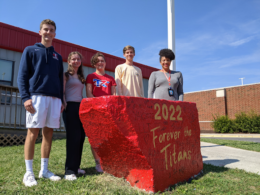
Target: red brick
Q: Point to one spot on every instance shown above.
(238, 99)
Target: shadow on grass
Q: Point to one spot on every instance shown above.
(207, 168)
(220, 162)
(243, 143)
(91, 171)
(217, 145)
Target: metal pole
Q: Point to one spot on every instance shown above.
(171, 30)
(242, 80)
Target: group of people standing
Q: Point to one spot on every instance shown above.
(47, 91)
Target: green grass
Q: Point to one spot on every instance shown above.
(252, 146)
(215, 180)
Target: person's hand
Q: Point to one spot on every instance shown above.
(65, 105)
(29, 107)
(62, 108)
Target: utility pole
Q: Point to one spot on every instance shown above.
(171, 30)
(242, 80)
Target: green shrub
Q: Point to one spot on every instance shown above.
(248, 123)
(244, 122)
(223, 124)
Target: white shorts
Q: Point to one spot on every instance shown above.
(47, 112)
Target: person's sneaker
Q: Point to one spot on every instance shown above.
(70, 177)
(98, 168)
(29, 180)
(49, 175)
(80, 171)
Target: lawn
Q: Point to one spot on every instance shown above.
(215, 180)
(252, 146)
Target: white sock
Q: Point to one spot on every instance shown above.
(44, 164)
(29, 166)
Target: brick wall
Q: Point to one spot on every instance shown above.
(244, 98)
(236, 99)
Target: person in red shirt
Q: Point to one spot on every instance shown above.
(99, 84)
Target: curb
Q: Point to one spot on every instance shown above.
(242, 136)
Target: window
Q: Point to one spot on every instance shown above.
(6, 78)
(6, 72)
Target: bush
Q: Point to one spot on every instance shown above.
(223, 124)
(246, 123)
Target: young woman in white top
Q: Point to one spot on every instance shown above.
(73, 86)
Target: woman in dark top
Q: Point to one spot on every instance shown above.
(166, 84)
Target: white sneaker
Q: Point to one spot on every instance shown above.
(29, 180)
(98, 168)
(49, 175)
(80, 171)
(70, 177)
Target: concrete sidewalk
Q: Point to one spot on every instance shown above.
(225, 156)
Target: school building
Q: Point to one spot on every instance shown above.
(13, 40)
(227, 101)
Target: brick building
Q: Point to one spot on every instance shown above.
(225, 101)
(13, 40)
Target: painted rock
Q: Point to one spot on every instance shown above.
(152, 143)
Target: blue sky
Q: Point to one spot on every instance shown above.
(217, 42)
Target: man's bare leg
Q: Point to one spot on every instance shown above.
(29, 144)
(45, 153)
(46, 142)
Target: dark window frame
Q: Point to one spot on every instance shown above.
(12, 80)
(8, 100)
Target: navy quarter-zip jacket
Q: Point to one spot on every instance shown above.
(40, 72)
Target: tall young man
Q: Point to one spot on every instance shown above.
(40, 82)
(128, 77)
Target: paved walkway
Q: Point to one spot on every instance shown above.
(230, 157)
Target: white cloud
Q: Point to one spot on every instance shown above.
(250, 27)
(241, 41)
(209, 51)
(194, 43)
(237, 60)
(206, 44)
(240, 66)
(202, 44)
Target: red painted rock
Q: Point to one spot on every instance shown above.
(152, 143)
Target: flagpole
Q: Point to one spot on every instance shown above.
(171, 30)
